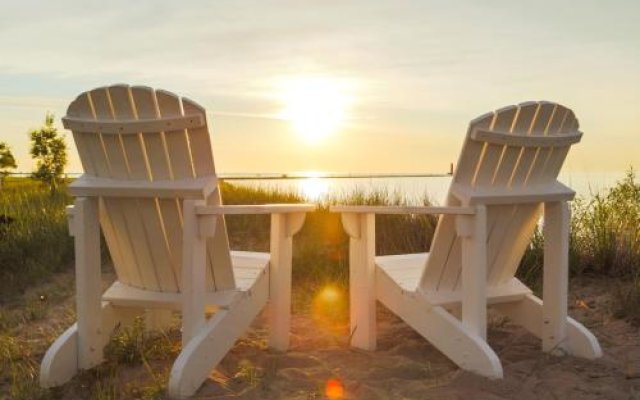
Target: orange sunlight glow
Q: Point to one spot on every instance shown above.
(330, 309)
(329, 295)
(314, 188)
(334, 389)
(315, 106)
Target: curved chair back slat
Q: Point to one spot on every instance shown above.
(137, 133)
(512, 149)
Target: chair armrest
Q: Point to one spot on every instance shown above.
(255, 209)
(402, 210)
(70, 213)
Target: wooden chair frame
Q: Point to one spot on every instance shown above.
(463, 338)
(150, 185)
(81, 346)
(506, 175)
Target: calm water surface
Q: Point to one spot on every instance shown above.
(414, 190)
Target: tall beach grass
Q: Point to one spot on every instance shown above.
(34, 239)
(34, 246)
(605, 239)
(604, 242)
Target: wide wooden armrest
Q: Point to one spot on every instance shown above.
(402, 210)
(292, 215)
(535, 193)
(191, 188)
(255, 209)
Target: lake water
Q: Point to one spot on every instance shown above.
(413, 189)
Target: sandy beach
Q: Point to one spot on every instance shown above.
(321, 365)
(405, 366)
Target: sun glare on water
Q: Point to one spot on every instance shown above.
(313, 187)
(316, 107)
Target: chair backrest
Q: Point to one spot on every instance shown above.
(150, 142)
(512, 150)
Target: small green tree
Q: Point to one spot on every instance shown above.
(50, 152)
(7, 162)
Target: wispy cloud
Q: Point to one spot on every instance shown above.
(420, 66)
(32, 102)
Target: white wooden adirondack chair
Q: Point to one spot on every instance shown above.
(506, 176)
(150, 184)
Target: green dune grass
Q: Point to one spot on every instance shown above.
(36, 256)
(604, 239)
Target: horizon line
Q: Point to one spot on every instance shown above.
(298, 175)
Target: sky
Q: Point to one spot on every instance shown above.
(399, 79)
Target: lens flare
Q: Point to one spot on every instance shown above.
(330, 310)
(334, 389)
(329, 295)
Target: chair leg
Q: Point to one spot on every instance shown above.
(193, 272)
(86, 232)
(280, 284)
(61, 361)
(555, 276)
(212, 342)
(444, 331)
(81, 346)
(528, 313)
(548, 320)
(362, 284)
(473, 230)
(283, 227)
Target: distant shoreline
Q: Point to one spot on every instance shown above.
(293, 175)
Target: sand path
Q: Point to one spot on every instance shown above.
(405, 366)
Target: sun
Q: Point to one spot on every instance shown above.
(315, 106)
(313, 189)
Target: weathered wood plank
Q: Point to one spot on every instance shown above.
(471, 153)
(199, 141)
(541, 130)
(493, 150)
(446, 248)
(137, 226)
(181, 165)
(81, 107)
(144, 105)
(116, 211)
